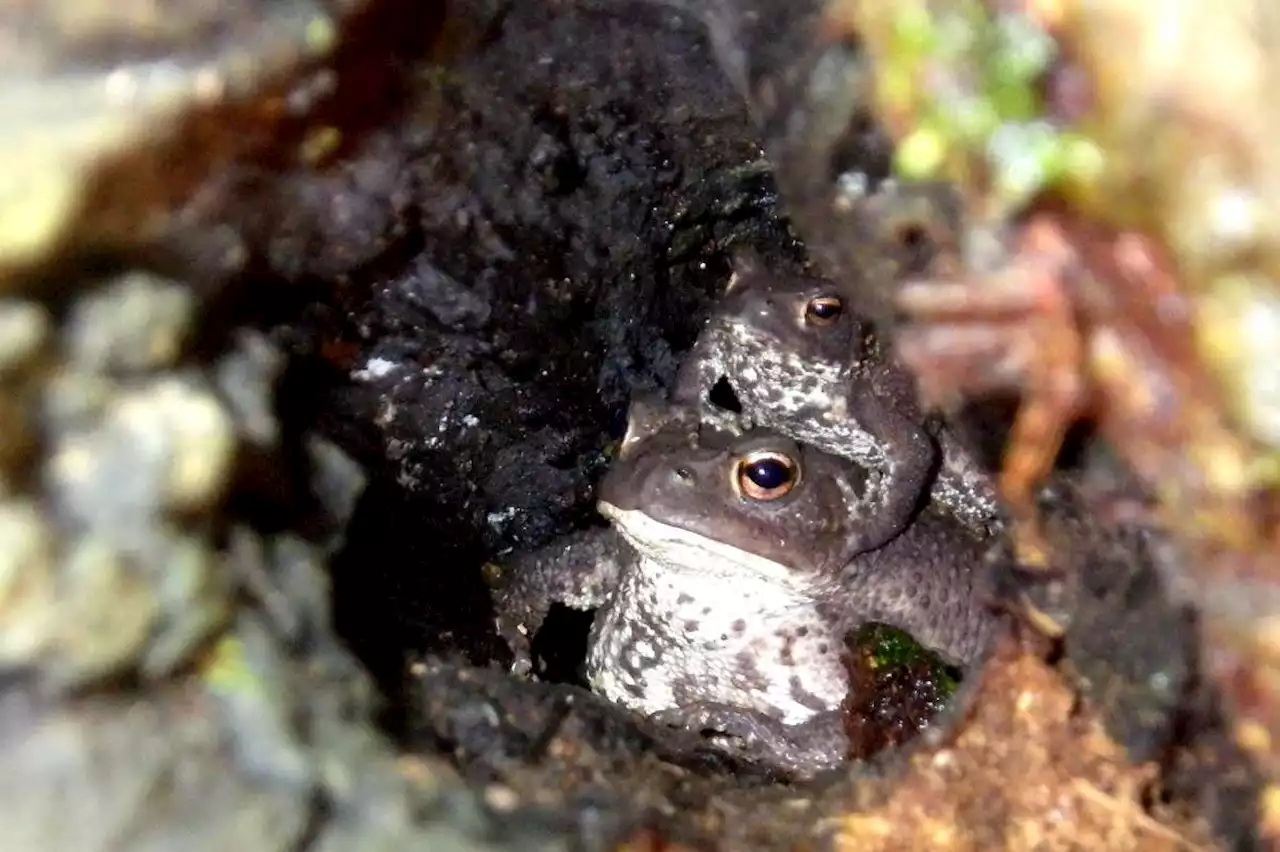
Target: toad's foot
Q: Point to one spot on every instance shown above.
(965, 490)
(577, 571)
(803, 751)
(976, 508)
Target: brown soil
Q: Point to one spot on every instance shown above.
(1030, 769)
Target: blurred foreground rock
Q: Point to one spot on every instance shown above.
(172, 678)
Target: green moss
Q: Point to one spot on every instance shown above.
(894, 648)
(968, 83)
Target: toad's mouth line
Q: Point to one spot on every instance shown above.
(682, 548)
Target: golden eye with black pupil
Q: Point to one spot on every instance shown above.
(765, 475)
(824, 310)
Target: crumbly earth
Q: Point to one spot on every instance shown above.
(1029, 769)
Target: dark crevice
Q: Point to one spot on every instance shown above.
(722, 396)
(561, 645)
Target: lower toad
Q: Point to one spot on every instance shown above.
(727, 584)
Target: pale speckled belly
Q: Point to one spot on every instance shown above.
(669, 639)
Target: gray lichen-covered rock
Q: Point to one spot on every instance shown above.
(171, 677)
(136, 323)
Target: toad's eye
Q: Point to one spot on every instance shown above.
(766, 476)
(824, 310)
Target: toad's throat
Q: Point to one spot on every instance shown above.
(683, 550)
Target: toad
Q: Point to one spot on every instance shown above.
(732, 572)
(795, 360)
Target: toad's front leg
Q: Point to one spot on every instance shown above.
(964, 488)
(801, 751)
(580, 571)
(900, 476)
